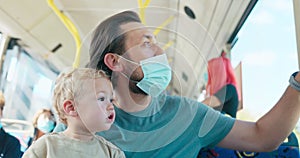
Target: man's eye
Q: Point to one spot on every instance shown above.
(147, 44)
(101, 99)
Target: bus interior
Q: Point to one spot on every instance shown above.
(41, 38)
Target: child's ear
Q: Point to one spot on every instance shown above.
(112, 62)
(69, 108)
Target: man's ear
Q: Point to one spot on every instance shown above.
(112, 62)
(69, 108)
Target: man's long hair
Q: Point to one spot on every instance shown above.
(109, 38)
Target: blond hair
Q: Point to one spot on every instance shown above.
(69, 85)
(108, 37)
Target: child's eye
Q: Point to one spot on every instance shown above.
(112, 100)
(101, 98)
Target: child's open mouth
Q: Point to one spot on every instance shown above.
(111, 117)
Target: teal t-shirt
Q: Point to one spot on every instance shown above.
(171, 126)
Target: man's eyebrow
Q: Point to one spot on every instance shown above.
(149, 36)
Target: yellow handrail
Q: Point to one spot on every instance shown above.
(142, 7)
(73, 30)
(165, 23)
(167, 45)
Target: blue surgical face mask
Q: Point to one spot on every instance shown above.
(45, 125)
(157, 75)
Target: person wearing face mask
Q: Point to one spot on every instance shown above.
(43, 122)
(9, 145)
(157, 74)
(151, 123)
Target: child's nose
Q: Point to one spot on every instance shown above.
(110, 106)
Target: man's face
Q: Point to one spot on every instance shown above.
(140, 44)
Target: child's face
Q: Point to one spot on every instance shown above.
(95, 107)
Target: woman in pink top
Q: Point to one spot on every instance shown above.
(221, 88)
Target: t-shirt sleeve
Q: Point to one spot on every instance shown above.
(29, 154)
(118, 154)
(114, 150)
(214, 126)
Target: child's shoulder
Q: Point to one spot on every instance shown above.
(52, 135)
(113, 150)
(107, 143)
(49, 137)
(41, 145)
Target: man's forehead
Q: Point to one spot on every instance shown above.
(136, 27)
(132, 26)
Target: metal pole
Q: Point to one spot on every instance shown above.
(296, 4)
(3, 45)
(4, 40)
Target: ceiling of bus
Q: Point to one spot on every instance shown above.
(188, 42)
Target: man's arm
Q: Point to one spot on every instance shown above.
(270, 130)
(211, 101)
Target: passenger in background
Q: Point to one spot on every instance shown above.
(83, 100)
(9, 146)
(43, 122)
(221, 89)
(222, 93)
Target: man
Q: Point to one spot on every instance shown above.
(150, 123)
(9, 145)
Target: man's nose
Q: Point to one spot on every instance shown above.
(158, 49)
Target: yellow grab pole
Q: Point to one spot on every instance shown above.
(71, 27)
(142, 7)
(165, 23)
